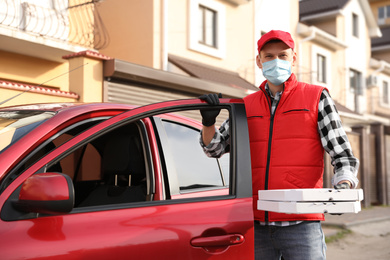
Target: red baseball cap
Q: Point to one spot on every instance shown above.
(275, 35)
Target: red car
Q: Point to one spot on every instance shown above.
(110, 181)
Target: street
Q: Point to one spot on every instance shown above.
(366, 241)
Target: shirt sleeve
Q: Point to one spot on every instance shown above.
(220, 144)
(335, 142)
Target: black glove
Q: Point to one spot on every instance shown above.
(211, 99)
(209, 115)
(343, 185)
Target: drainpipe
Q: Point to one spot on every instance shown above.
(312, 35)
(164, 35)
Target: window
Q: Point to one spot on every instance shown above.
(355, 81)
(15, 124)
(383, 14)
(207, 26)
(189, 171)
(194, 169)
(49, 145)
(206, 32)
(385, 93)
(321, 68)
(355, 25)
(110, 169)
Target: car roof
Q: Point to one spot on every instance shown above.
(56, 107)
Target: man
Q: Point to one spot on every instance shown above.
(290, 125)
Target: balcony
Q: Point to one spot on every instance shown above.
(50, 29)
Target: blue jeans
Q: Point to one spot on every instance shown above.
(304, 241)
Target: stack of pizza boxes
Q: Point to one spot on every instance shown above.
(298, 201)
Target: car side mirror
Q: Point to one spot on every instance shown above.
(48, 193)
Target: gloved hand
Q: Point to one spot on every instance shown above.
(340, 186)
(343, 185)
(209, 115)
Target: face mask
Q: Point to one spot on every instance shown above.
(277, 71)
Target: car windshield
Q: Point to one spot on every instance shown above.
(16, 123)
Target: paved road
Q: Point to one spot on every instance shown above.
(367, 241)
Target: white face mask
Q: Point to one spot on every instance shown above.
(277, 71)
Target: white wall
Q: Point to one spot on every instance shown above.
(271, 15)
(356, 53)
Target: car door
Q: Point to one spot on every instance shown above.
(170, 214)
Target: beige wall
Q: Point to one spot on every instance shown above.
(136, 29)
(307, 68)
(240, 43)
(131, 28)
(34, 71)
(340, 73)
(340, 27)
(375, 96)
(30, 71)
(30, 98)
(87, 78)
(82, 75)
(329, 26)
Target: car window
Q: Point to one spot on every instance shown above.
(189, 172)
(49, 145)
(110, 169)
(15, 124)
(194, 169)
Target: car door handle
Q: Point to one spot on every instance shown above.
(222, 240)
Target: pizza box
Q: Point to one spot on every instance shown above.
(311, 195)
(293, 207)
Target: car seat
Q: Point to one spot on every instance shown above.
(123, 172)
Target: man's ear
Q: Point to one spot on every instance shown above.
(258, 62)
(294, 58)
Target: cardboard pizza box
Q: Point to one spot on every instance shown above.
(301, 201)
(293, 207)
(312, 195)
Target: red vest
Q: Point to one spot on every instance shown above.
(286, 151)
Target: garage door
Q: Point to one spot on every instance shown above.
(140, 95)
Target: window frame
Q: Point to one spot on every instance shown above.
(317, 50)
(219, 50)
(385, 93)
(204, 37)
(221, 176)
(386, 14)
(321, 68)
(357, 88)
(355, 25)
(170, 171)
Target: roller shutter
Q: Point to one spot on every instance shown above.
(140, 95)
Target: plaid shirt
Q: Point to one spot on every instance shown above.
(333, 139)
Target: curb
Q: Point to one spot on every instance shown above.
(354, 223)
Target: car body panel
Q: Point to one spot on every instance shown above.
(201, 225)
(134, 233)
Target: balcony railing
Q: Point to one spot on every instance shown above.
(79, 23)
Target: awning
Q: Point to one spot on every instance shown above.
(210, 73)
